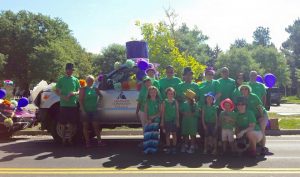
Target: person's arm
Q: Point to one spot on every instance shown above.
(217, 122)
(264, 100)
(177, 114)
(250, 128)
(81, 100)
(138, 107)
(146, 112)
(203, 122)
(162, 114)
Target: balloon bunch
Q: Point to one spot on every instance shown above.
(269, 79)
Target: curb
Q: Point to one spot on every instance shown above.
(138, 132)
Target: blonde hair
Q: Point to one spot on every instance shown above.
(90, 77)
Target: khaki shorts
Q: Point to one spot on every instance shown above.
(227, 135)
(259, 135)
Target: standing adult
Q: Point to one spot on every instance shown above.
(227, 85)
(151, 72)
(169, 81)
(238, 83)
(67, 89)
(187, 84)
(209, 85)
(257, 88)
(88, 99)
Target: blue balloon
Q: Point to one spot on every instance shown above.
(270, 80)
(140, 75)
(143, 64)
(259, 79)
(23, 102)
(2, 93)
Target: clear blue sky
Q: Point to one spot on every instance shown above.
(98, 23)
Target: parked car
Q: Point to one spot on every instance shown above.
(275, 96)
(116, 107)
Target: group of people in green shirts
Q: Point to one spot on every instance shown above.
(216, 109)
(68, 89)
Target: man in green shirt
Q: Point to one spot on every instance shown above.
(187, 84)
(169, 81)
(227, 85)
(257, 88)
(67, 88)
(209, 85)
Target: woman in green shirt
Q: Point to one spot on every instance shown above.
(88, 99)
(247, 126)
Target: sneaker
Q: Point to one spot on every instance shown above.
(252, 154)
(265, 151)
(184, 148)
(191, 150)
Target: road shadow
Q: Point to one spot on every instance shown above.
(120, 154)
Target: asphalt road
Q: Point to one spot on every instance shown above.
(39, 156)
(286, 109)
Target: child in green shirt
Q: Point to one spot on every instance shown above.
(190, 113)
(210, 123)
(170, 119)
(227, 119)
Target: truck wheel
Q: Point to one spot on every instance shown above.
(57, 133)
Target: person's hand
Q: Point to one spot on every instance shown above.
(71, 94)
(241, 134)
(162, 125)
(205, 128)
(83, 113)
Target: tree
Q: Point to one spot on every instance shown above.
(272, 61)
(261, 36)
(239, 43)
(38, 47)
(164, 51)
(238, 60)
(104, 62)
(291, 49)
(2, 61)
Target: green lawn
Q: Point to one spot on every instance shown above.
(286, 122)
(291, 99)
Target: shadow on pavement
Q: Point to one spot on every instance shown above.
(121, 154)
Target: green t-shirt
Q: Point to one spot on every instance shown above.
(227, 87)
(155, 83)
(208, 86)
(235, 95)
(90, 99)
(253, 102)
(170, 110)
(67, 85)
(258, 89)
(153, 106)
(210, 113)
(228, 120)
(164, 83)
(244, 119)
(142, 98)
(189, 124)
(182, 87)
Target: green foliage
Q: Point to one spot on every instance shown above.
(238, 60)
(272, 61)
(163, 49)
(104, 62)
(261, 36)
(239, 43)
(2, 61)
(37, 47)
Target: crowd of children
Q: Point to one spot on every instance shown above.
(218, 110)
